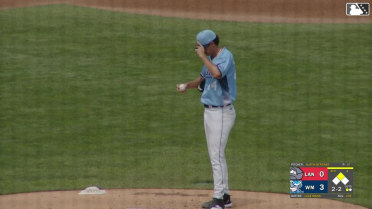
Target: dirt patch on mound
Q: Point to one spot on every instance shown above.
(159, 199)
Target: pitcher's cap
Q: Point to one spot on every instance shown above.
(205, 37)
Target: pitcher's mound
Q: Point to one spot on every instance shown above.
(158, 199)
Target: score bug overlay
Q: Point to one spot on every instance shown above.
(321, 180)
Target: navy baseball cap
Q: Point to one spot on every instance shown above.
(205, 37)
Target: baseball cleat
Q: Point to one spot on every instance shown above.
(217, 204)
(226, 200)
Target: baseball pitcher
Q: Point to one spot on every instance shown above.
(217, 82)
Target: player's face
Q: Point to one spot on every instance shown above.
(206, 45)
(207, 49)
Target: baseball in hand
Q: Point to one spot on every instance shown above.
(182, 87)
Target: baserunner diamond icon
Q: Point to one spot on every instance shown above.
(336, 180)
(345, 180)
(340, 178)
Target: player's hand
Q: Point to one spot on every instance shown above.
(199, 49)
(182, 87)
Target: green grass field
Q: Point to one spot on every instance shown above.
(88, 97)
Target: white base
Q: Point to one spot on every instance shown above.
(92, 190)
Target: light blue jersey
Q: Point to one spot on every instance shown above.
(220, 92)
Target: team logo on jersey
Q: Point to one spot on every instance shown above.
(220, 66)
(357, 9)
(208, 75)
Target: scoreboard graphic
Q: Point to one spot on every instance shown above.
(321, 180)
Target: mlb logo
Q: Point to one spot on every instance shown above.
(357, 9)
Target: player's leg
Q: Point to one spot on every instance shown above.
(213, 129)
(228, 122)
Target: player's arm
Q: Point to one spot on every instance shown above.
(192, 84)
(212, 68)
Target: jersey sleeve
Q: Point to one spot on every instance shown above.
(223, 65)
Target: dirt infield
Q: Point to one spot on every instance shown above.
(294, 11)
(159, 199)
(306, 11)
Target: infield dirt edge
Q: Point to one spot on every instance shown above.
(160, 199)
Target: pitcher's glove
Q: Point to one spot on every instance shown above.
(201, 85)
